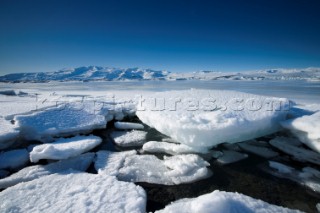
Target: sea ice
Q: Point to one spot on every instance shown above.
(129, 166)
(79, 163)
(299, 153)
(169, 148)
(306, 128)
(129, 138)
(223, 202)
(127, 125)
(205, 118)
(74, 192)
(64, 120)
(8, 133)
(64, 148)
(258, 150)
(230, 156)
(14, 159)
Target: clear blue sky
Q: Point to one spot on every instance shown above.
(224, 35)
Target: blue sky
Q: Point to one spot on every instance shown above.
(228, 35)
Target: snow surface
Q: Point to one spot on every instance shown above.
(299, 153)
(59, 121)
(129, 138)
(64, 148)
(230, 156)
(128, 166)
(169, 148)
(307, 129)
(8, 133)
(205, 118)
(223, 202)
(127, 125)
(14, 159)
(79, 163)
(74, 192)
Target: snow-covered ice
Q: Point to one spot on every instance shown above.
(230, 156)
(79, 163)
(74, 192)
(299, 153)
(307, 129)
(14, 159)
(205, 118)
(64, 148)
(258, 150)
(8, 133)
(129, 138)
(63, 120)
(169, 148)
(127, 125)
(128, 166)
(223, 202)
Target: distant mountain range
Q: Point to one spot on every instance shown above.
(96, 73)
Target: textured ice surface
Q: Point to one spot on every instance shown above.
(223, 202)
(169, 148)
(59, 121)
(14, 159)
(64, 148)
(128, 166)
(129, 138)
(307, 177)
(8, 133)
(74, 192)
(307, 129)
(205, 118)
(258, 150)
(299, 153)
(128, 125)
(230, 156)
(79, 163)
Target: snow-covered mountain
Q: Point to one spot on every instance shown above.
(95, 73)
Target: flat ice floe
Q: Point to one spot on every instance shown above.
(128, 166)
(8, 133)
(230, 156)
(127, 125)
(63, 120)
(74, 192)
(287, 145)
(223, 202)
(205, 118)
(258, 150)
(14, 159)
(79, 163)
(64, 148)
(169, 148)
(307, 129)
(129, 138)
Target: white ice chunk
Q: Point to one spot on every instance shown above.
(307, 129)
(223, 202)
(128, 166)
(128, 125)
(8, 133)
(79, 163)
(258, 150)
(14, 159)
(64, 148)
(74, 192)
(230, 156)
(169, 148)
(205, 118)
(129, 138)
(64, 120)
(299, 153)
